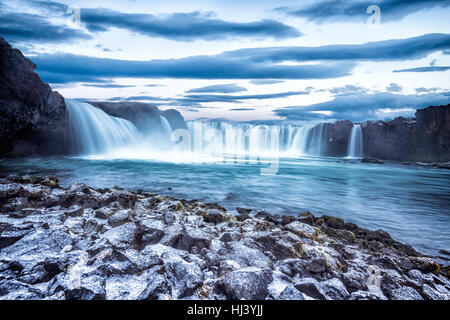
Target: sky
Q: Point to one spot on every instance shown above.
(242, 60)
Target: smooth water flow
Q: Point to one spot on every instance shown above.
(92, 131)
(99, 135)
(355, 143)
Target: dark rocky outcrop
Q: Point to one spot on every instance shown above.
(335, 138)
(425, 138)
(32, 116)
(56, 245)
(143, 115)
(431, 135)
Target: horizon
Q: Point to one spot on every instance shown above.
(278, 61)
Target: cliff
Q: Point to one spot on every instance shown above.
(425, 138)
(32, 116)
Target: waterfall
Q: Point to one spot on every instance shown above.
(355, 143)
(240, 139)
(93, 131)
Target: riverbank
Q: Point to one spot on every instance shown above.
(85, 243)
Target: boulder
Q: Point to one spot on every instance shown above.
(247, 283)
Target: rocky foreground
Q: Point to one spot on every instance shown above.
(82, 243)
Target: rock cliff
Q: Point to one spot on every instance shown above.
(425, 138)
(32, 116)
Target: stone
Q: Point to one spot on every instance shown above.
(247, 283)
(290, 293)
(311, 288)
(405, 293)
(334, 289)
(119, 218)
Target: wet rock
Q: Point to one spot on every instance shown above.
(247, 283)
(243, 210)
(372, 160)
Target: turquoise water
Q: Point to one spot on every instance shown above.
(411, 203)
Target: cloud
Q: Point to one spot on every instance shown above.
(362, 106)
(175, 26)
(260, 82)
(242, 109)
(66, 68)
(347, 89)
(394, 87)
(27, 27)
(107, 86)
(343, 10)
(220, 88)
(184, 26)
(425, 69)
(387, 50)
(333, 61)
(197, 99)
(235, 98)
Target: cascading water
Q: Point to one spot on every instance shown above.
(95, 133)
(240, 139)
(355, 143)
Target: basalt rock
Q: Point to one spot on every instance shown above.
(32, 116)
(128, 249)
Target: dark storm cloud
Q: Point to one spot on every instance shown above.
(425, 69)
(343, 10)
(220, 88)
(360, 107)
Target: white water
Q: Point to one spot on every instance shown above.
(355, 143)
(93, 131)
(96, 134)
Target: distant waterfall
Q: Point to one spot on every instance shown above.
(355, 143)
(93, 131)
(238, 139)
